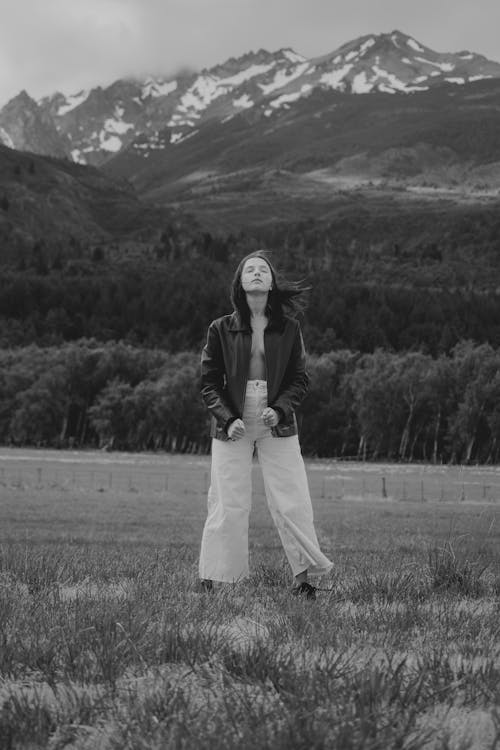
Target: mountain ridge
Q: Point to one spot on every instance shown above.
(92, 126)
(441, 144)
(68, 210)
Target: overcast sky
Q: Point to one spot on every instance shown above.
(67, 45)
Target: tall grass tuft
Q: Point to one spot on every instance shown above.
(450, 568)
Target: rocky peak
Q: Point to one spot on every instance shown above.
(30, 128)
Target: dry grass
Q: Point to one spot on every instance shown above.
(105, 641)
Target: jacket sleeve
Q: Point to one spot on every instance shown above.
(296, 381)
(213, 379)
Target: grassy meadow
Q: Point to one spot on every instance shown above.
(106, 641)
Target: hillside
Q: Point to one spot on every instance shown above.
(442, 144)
(68, 209)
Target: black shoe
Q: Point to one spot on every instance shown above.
(206, 585)
(304, 589)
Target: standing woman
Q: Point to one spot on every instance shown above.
(253, 378)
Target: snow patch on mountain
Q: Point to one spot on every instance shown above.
(109, 138)
(155, 89)
(393, 82)
(352, 55)
(293, 56)
(283, 77)
(155, 142)
(180, 137)
(110, 142)
(285, 99)
(243, 102)
(360, 84)
(335, 77)
(414, 45)
(201, 93)
(366, 46)
(73, 101)
(245, 75)
(116, 125)
(6, 139)
(445, 67)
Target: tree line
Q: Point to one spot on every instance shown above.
(382, 275)
(169, 305)
(405, 406)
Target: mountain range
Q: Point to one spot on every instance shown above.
(382, 114)
(92, 126)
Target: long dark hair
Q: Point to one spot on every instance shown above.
(285, 297)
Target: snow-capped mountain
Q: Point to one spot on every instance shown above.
(397, 62)
(153, 114)
(27, 127)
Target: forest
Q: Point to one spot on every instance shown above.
(101, 347)
(378, 279)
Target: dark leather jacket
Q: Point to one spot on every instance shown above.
(224, 366)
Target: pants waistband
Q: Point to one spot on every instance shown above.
(256, 385)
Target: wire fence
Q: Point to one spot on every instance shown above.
(327, 481)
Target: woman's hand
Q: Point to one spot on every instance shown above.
(270, 417)
(236, 429)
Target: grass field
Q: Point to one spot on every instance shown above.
(105, 641)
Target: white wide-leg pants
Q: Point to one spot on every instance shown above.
(224, 545)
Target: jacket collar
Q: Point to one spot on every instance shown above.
(236, 323)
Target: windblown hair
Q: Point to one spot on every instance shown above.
(286, 298)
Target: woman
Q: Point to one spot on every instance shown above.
(253, 379)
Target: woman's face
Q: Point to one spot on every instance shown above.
(256, 276)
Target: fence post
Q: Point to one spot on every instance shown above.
(384, 489)
(422, 495)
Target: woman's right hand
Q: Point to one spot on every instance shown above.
(236, 430)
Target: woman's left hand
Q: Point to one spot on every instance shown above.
(270, 417)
